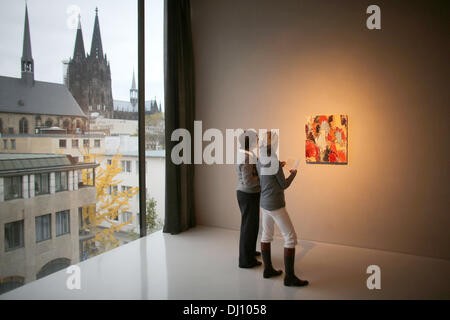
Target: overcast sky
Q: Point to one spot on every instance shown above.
(53, 29)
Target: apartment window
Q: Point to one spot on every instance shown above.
(14, 236)
(126, 165)
(113, 189)
(62, 143)
(23, 125)
(61, 181)
(86, 143)
(126, 216)
(109, 162)
(75, 143)
(125, 188)
(62, 222)
(41, 183)
(5, 144)
(13, 144)
(13, 187)
(97, 143)
(43, 227)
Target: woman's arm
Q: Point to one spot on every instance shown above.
(282, 181)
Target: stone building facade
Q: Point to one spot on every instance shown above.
(40, 206)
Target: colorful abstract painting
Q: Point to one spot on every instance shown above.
(326, 139)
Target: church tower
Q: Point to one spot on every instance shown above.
(26, 62)
(89, 76)
(133, 93)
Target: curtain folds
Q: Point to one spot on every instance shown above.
(179, 113)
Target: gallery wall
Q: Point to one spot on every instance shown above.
(270, 64)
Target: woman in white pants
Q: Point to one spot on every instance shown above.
(273, 205)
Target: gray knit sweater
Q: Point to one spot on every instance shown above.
(248, 180)
(272, 187)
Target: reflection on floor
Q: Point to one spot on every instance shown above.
(202, 264)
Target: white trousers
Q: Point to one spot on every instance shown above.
(281, 218)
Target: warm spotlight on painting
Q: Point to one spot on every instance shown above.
(327, 139)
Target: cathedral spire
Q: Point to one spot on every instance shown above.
(27, 63)
(96, 45)
(133, 92)
(78, 53)
(133, 83)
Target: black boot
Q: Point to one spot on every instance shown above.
(269, 271)
(290, 279)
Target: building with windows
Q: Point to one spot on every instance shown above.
(40, 200)
(76, 145)
(28, 106)
(127, 147)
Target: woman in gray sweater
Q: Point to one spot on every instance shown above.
(273, 183)
(248, 194)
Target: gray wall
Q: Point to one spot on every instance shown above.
(270, 64)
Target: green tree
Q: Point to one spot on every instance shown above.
(154, 223)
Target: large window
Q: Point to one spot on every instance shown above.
(43, 227)
(61, 181)
(42, 183)
(62, 222)
(14, 237)
(86, 108)
(13, 187)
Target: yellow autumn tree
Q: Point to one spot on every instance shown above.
(101, 219)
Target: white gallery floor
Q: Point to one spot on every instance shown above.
(202, 264)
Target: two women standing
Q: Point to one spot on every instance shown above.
(265, 188)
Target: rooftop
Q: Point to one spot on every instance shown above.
(22, 163)
(41, 98)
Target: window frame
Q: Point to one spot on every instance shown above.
(20, 193)
(21, 235)
(41, 217)
(59, 173)
(62, 145)
(60, 214)
(40, 182)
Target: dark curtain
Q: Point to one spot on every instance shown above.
(179, 112)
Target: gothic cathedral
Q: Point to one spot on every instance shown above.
(89, 75)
